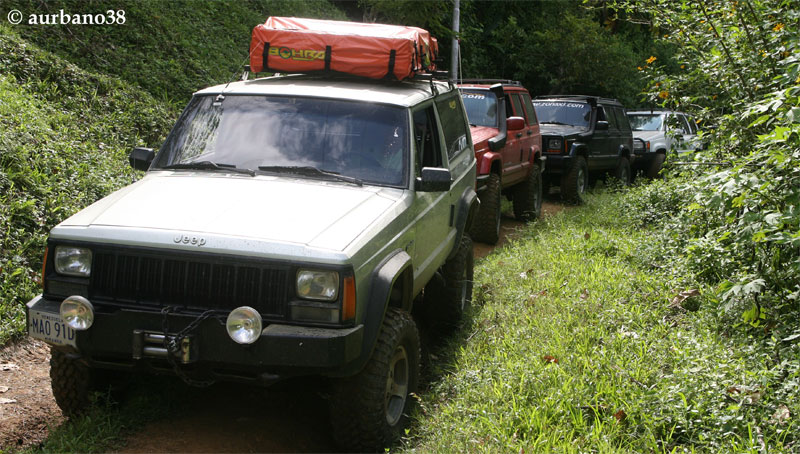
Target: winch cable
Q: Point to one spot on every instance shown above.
(173, 345)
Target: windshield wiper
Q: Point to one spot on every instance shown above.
(209, 165)
(310, 171)
(554, 123)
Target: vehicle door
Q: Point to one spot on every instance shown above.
(532, 137)
(681, 132)
(602, 156)
(431, 210)
(512, 170)
(624, 131)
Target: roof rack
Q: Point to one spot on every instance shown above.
(490, 81)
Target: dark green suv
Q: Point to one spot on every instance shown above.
(584, 138)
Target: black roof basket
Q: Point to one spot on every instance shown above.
(490, 81)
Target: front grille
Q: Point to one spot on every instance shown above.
(141, 278)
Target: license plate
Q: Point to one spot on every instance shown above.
(50, 328)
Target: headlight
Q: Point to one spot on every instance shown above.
(318, 285)
(554, 144)
(77, 312)
(73, 261)
(638, 144)
(244, 325)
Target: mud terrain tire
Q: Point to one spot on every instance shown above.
(655, 166)
(486, 227)
(73, 383)
(369, 411)
(528, 196)
(574, 184)
(447, 299)
(623, 171)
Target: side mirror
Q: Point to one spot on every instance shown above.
(601, 126)
(515, 123)
(141, 158)
(433, 179)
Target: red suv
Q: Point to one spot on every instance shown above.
(508, 148)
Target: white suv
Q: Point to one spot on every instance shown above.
(656, 132)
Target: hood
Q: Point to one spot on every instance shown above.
(264, 208)
(561, 130)
(649, 135)
(481, 134)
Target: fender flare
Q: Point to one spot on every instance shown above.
(467, 208)
(486, 160)
(382, 280)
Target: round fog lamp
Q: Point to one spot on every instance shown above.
(244, 325)
(77, 312)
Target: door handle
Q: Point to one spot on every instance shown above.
(530, 132)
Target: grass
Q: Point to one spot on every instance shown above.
(575, 346)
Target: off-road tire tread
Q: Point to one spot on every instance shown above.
(569, 182)
(71, 382)
(623, 163)
(356, 404)
(526, 207)
(655, 166)
(441, 308)
(484, 228)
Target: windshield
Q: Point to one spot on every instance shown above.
(355, 139)
(481, 106)
(645, 122)
(563, 113)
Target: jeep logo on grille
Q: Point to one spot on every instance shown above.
(193, 240)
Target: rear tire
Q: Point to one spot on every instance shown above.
(448, 298)
(486, 227)
(369, 411)
(654, 171)
(528, 196)
(575, 183)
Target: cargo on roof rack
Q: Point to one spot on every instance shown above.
(377, 51)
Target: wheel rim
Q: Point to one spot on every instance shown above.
(581, 181)
(397, 386)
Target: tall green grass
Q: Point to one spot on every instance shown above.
(577, 344)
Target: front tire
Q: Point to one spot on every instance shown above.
(486, 227)
(574, 183)
(623, 171)
(369, 411)
(528, 196)
(654, 170)
(74, 382)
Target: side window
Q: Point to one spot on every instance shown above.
(622, 120)
(530, 114)
(601, 114)
(517, 105)
(683, 125)
(610, 118)
(426, 137)
(454, 126)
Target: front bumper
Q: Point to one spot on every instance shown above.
(558, 163)
(643, 159)
(129, 339)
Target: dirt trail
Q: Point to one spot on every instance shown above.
(291, 417)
